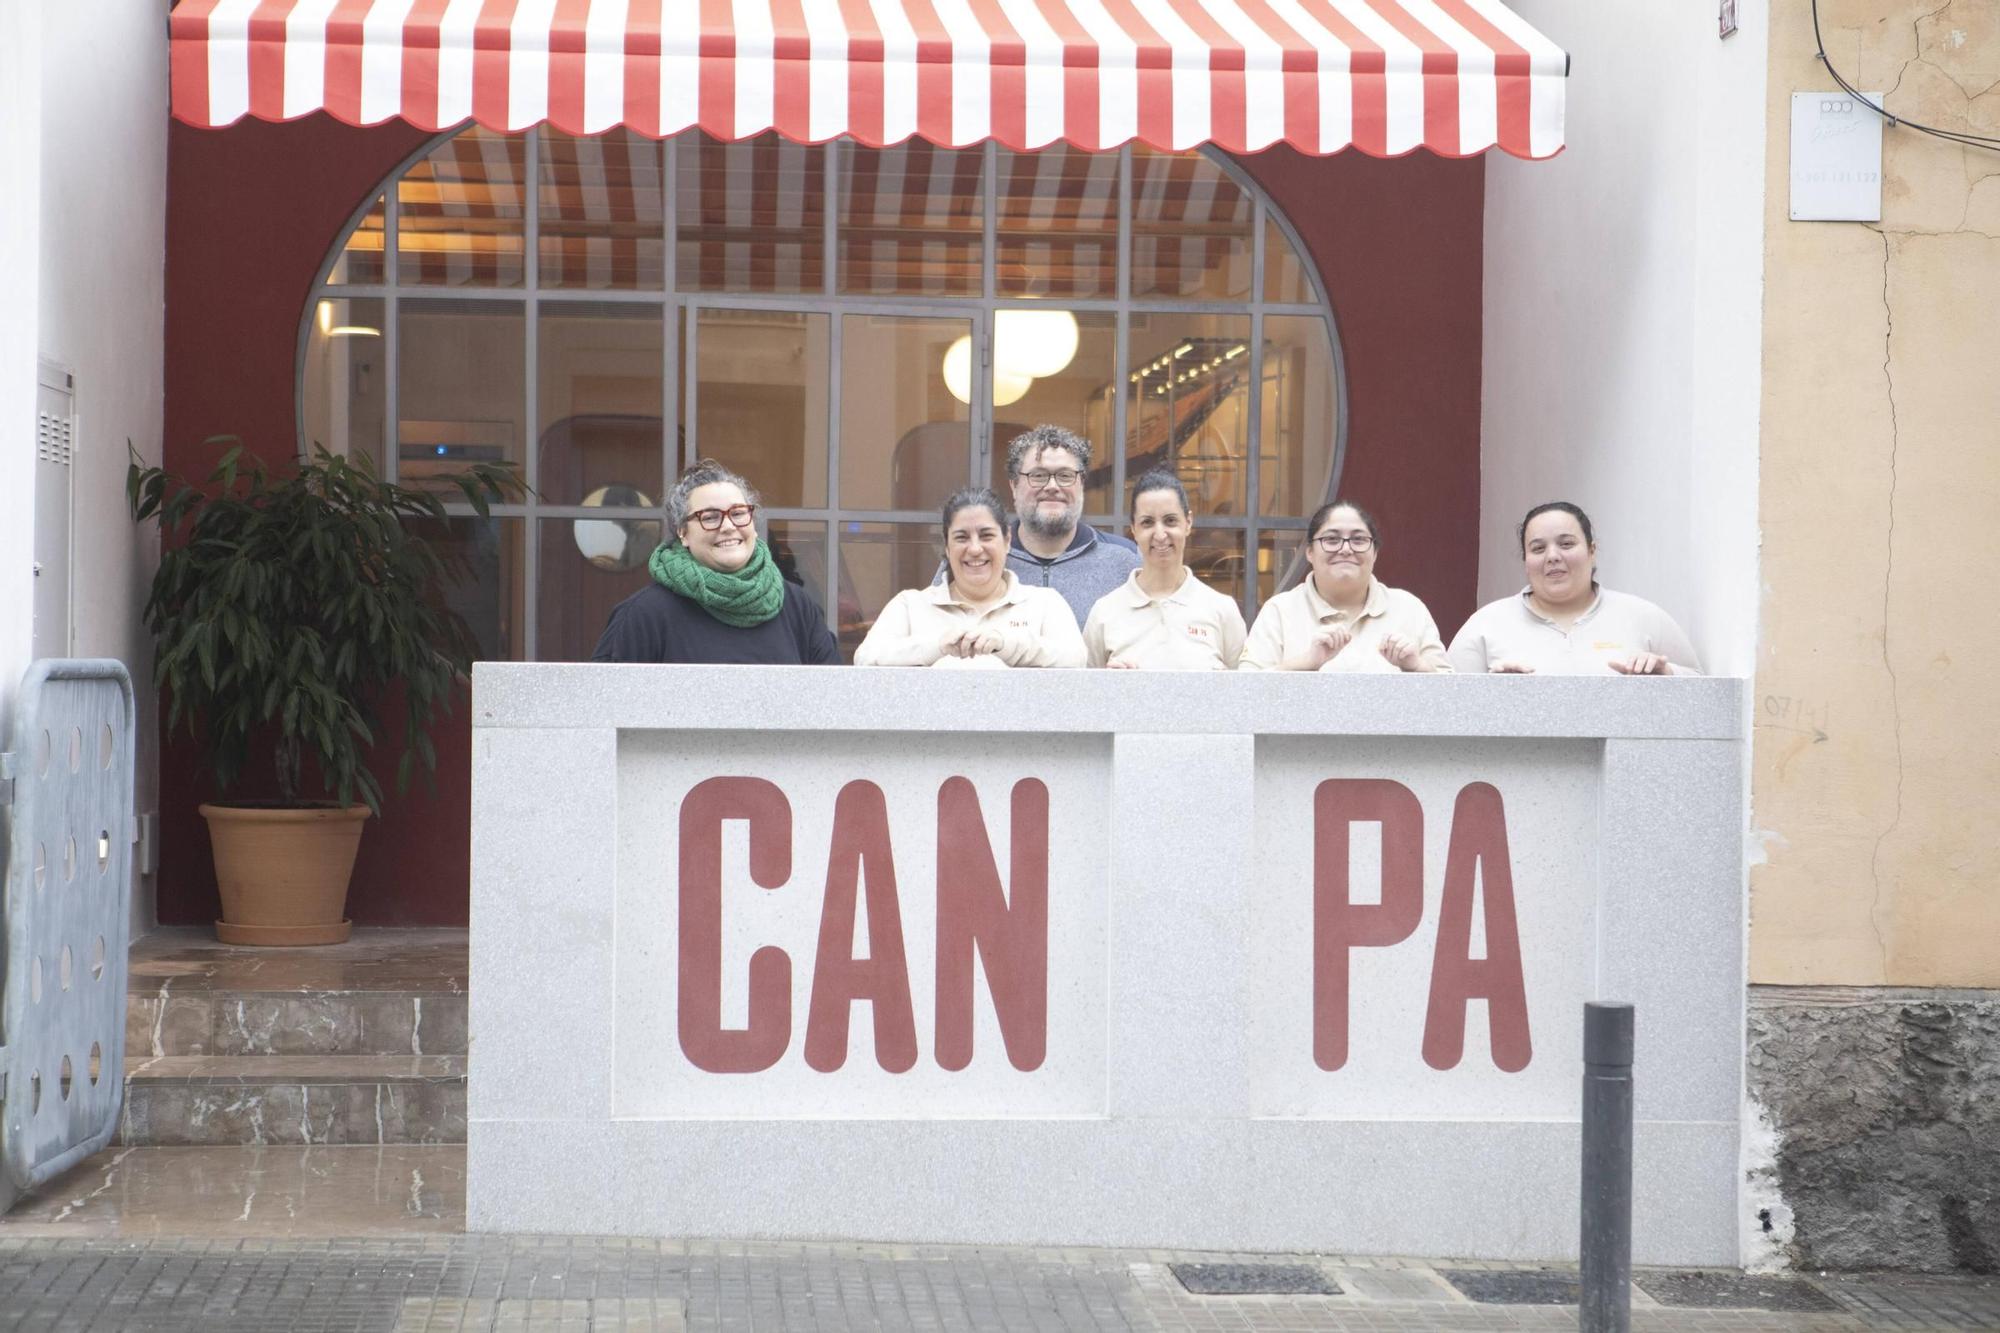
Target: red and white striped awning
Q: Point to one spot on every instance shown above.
(1386, 76)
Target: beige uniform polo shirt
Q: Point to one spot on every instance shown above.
(1037, 629)
(1291, 618)
(1192, 628)
(1616, 625)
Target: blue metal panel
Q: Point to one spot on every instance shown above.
(66, 904)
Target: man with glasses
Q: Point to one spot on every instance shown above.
(1052, 547)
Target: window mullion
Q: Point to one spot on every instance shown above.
(531, 273)
(392, 423)
(1253, 501)
(1122, 359)
(671, 311)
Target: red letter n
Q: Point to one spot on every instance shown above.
(1478, 852)
(1340, 923)
(707, 1044)
(1010, 930)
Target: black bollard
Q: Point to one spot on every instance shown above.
(1605, 1239)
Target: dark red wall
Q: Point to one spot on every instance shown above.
(253, 210)
(1398, 245)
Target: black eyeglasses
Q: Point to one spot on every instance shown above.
(1333, 541)
(1065, 477)
(739, 516)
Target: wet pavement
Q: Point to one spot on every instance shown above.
(371, 1239)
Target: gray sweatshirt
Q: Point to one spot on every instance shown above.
(1094, 564)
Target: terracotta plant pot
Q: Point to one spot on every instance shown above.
(283, 872)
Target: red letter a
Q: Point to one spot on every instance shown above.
(1478, 841)
(861, 848)
(707, 1044)
(1339, 923)
(1010, 929)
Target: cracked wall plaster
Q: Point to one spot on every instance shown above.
(1876, 763)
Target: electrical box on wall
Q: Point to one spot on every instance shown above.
(1836, 157)
(55, 453)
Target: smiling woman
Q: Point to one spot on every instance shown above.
(716, 594)
(1564, 622)
(982, 615)
(1342, 618)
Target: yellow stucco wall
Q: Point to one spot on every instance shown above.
(1876, 766)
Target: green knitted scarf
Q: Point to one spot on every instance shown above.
(748, 596)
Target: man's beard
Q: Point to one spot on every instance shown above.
(1051, 526)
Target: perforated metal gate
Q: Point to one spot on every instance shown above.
(66, 813)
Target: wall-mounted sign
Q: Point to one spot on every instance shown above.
(1836, 158)
(1727, 18)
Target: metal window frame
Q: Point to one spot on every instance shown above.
(681, 341)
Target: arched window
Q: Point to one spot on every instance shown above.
(859, 331)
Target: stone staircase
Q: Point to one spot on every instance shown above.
(356, 1043)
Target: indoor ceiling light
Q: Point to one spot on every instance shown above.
(1034, 343)
(1008, 386)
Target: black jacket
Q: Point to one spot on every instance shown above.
(658, 625)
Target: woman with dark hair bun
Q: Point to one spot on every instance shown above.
(1163, 617)
(980, 614)
(1341, 617)
(1564, 622)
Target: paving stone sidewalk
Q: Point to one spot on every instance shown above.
(418, 1284)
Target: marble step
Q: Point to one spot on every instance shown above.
(384, 992)
(215, 1100)
(287, 1023)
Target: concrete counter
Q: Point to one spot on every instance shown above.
(1088, 957)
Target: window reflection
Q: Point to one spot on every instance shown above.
(587, 567)
(1188, 405)
(761, 399)
(460, 213)
(1281, 560)
(1216, 557)
(911, 219)
(602, 205)
(360, 258)
(344, 394)
(1057, 214)
(905, 434)
(1285, 277)
(799, 550)
(461, 391)
(599, 398)
(484, 562)
(751, 215)
(1190, 228)
(1300, 408)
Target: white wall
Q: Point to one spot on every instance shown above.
(20, 232)
(1622, 314)
(102, 203)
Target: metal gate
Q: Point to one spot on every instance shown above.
(66, 812)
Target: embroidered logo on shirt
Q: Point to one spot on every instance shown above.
(1606, 645)
(1198, 632)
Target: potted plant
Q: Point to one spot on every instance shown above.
(289, 609)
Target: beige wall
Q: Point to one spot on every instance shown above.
(1877, 755)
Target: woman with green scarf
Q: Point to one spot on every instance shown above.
(716, 594)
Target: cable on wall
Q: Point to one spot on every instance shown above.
(1970, 140)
